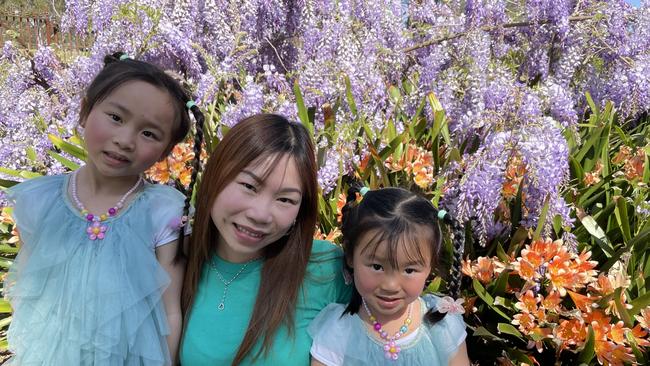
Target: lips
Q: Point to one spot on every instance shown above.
(254, 234)
(119, 158)
(388, 302)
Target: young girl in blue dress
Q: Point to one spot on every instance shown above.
(391, 242)
(95, 281)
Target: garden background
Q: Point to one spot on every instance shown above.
(526, 119)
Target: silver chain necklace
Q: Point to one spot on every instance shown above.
(227, 283)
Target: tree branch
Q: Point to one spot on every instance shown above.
(488, 28)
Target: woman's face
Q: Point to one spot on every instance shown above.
(252, 212)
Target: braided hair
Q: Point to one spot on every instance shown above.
(119, 69)
(396, 214)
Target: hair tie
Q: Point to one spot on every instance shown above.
(124, 57)
(364, 190)
(190, 104)
(442, 214)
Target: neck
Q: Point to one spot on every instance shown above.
(95, 184)
(392, 321)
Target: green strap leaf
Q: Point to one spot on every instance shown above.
(588, 353)
(487, 298)
(303, 115)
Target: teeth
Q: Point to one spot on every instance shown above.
(247, 232)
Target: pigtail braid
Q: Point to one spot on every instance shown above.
(454, 281)
(458, 248)
(196, 167)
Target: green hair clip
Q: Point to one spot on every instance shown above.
(364, 190)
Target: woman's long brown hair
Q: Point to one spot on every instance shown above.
(285, 261)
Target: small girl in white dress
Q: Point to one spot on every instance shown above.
(391, 241)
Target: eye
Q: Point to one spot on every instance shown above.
(376, 267)
(410, 270)
(288, 200)
(248, 186)
(114, 117)
(150, 135)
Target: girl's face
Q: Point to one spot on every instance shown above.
(251, 212)
(388, 291)
(128, 131)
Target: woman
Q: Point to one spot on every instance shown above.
(255, 278)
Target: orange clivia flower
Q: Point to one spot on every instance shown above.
(331, 236)
(644, 318)
(633, 167)
(527, 302)
(617, 333)
(633, 164)
(610, 353)
(525, 321)
(570, 333)
(582, 302)
(640, 336)
(624, 153)
(594, 176)
(552, 301)
(484, 269)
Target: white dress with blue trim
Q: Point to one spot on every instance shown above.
(83, 302)
(344, 339)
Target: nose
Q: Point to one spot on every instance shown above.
(390, 283)
(124, 138)
(260, 212)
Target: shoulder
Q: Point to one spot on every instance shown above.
(36, 190)
(39, 183)
(449, 332)
(325, 250)
(329, 322)
(163, 194)
(326, 258)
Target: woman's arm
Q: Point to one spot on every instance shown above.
(460, 358)
(172, 295)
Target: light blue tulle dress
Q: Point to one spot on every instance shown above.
(345, 340)
(83, 302)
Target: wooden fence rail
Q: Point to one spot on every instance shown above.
(33, 31)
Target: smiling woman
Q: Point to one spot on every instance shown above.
(254, 277)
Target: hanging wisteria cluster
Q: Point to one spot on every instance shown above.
(511, 76)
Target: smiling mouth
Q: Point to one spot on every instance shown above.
(249, 232)
(117, 157)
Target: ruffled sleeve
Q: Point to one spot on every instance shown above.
(166, 211)
(448, 333)
(330, 333)
(30, 199)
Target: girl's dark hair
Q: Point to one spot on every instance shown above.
(254, 139)
(119, 69)
(395, 215)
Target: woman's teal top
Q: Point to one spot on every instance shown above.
(212, 336)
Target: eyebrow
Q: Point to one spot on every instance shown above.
(259, 180)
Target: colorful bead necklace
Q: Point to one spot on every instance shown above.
(391, 349)
(96, 230)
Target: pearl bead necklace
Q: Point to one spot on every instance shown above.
(96, 230)
(391, 349)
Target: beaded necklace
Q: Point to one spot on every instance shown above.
(96, 230)
(391, 349)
